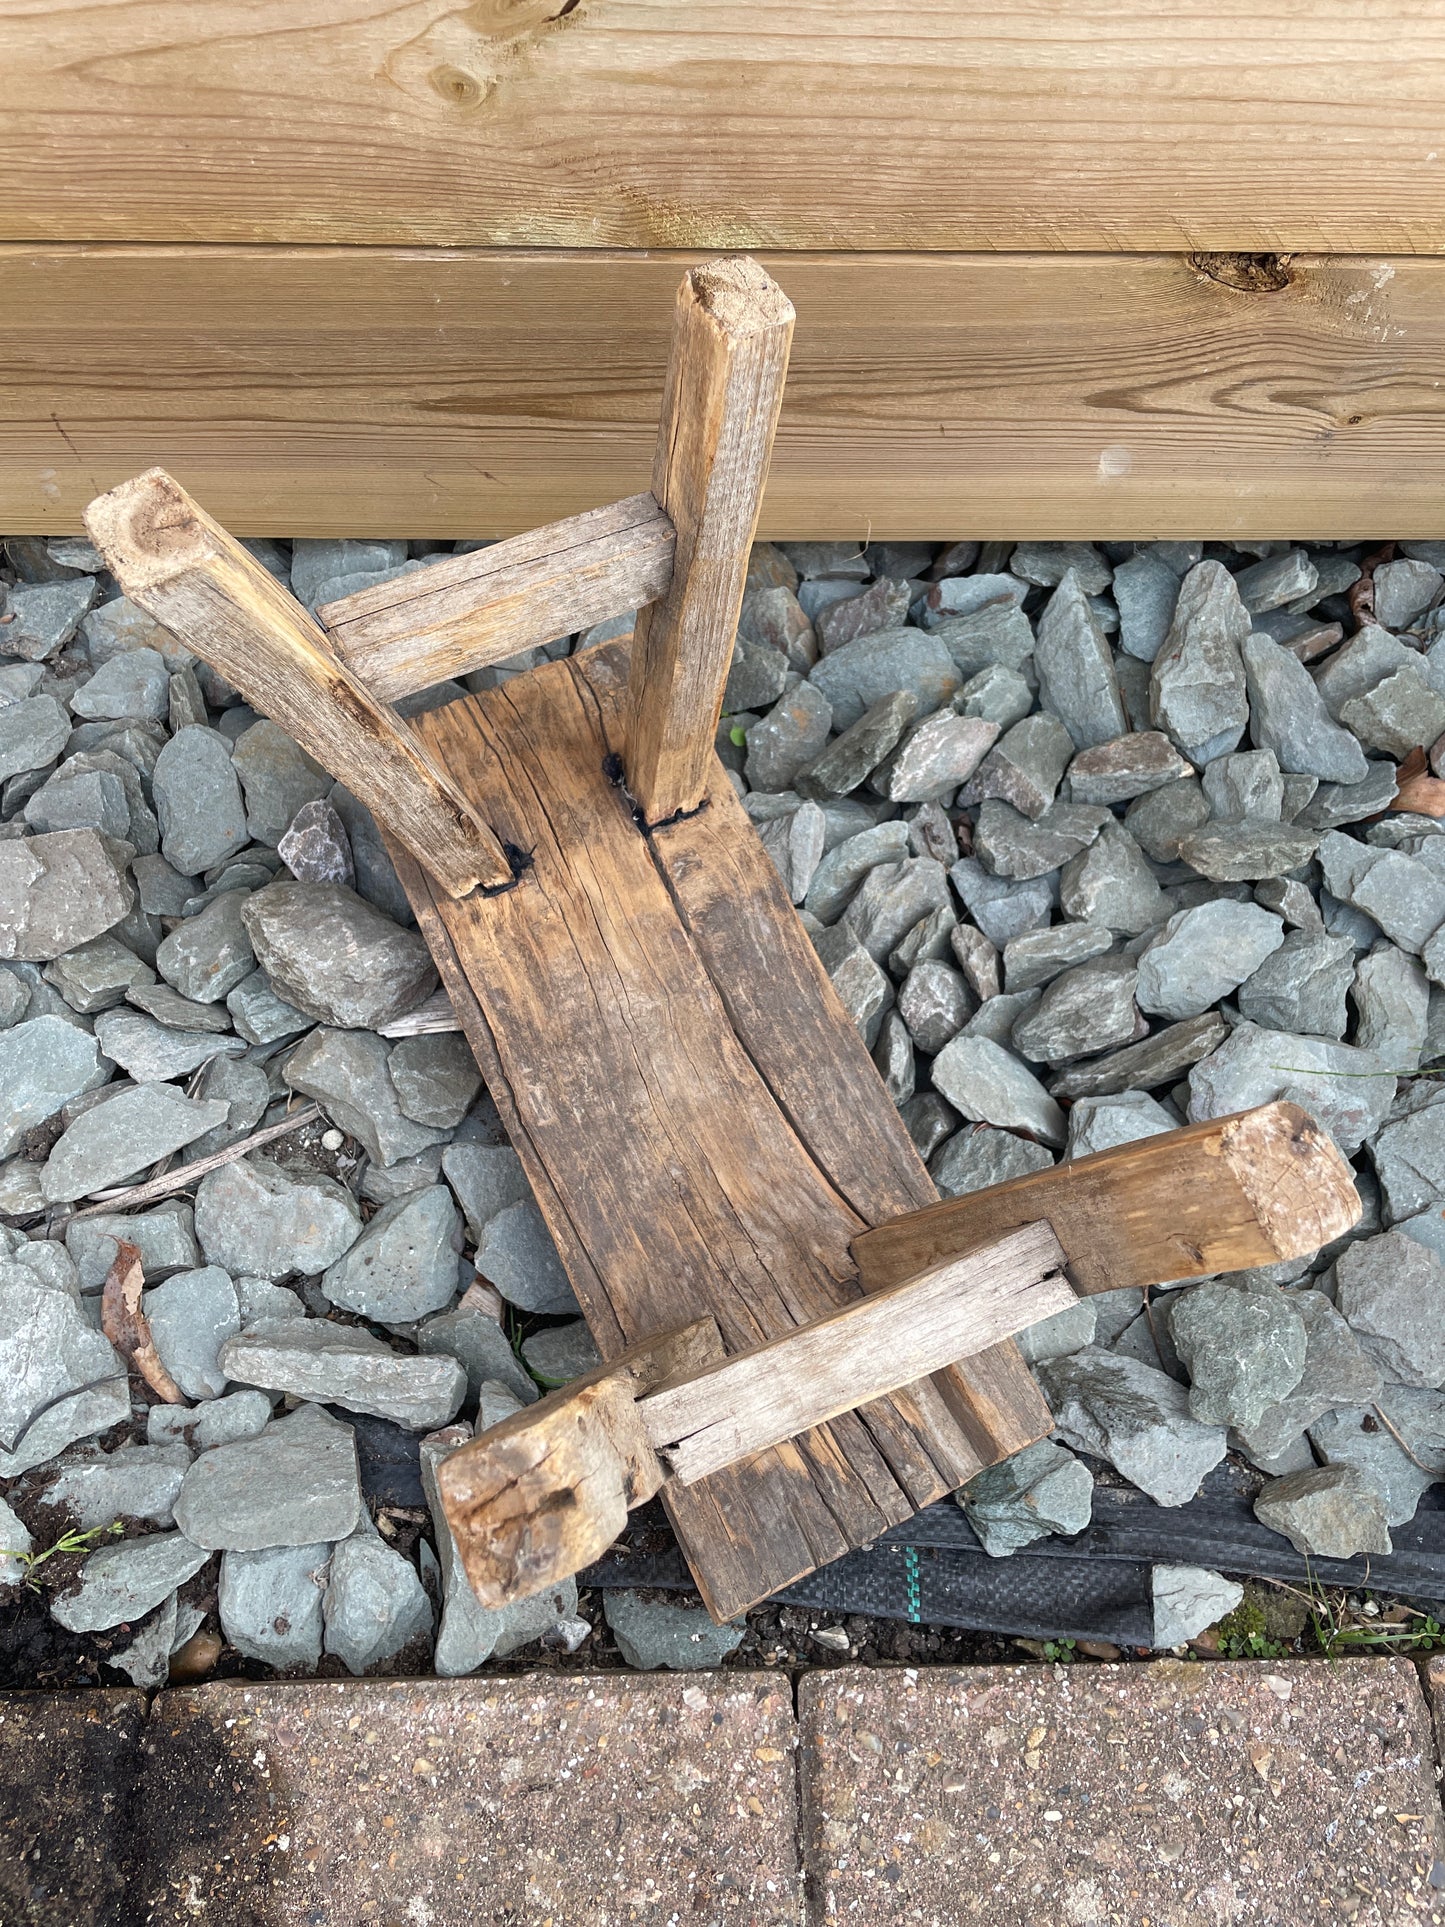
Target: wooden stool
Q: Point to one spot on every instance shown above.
(704, 1131)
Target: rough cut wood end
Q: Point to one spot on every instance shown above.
(148, 529)
(1294, 1176)
(740, 295)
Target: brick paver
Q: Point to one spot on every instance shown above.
(1177, 1794)
(68, 1763)
(1166, 1795)
(586, 1801)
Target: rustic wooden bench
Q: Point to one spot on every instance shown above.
(706, 1135)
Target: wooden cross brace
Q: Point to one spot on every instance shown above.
(702, 1127)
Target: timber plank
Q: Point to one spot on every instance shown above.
(1091, 124)
(343, 391)
(589, 1004)
(788, 1017)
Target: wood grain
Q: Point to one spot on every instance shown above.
(182, 567)
(787, 1015)
(715, 1417)
(1220, 1196)
(732, 328)
(544, 1493)
(471, 610)
(673, 1182)
(358, 392)
(1095, 124)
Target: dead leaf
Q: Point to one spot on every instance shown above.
(124, 1323)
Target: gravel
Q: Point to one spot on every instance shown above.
(1090, 846)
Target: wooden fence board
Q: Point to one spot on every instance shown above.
(382, 391)
(1098, 124)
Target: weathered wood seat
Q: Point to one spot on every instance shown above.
(704, 1131)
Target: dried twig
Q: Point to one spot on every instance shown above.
(1429, 1471)
(187, 1174)
(124, 1323)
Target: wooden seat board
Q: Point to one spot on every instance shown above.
(671, 1177)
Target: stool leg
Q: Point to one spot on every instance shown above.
(724, 388)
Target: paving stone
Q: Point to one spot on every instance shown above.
(1276, 581)
(1101, 1123)
(375, 1605)
(97, 975)
(795, 844)
(1349, 1091)
(1084, 1010)
(270, 1604)
(1025, 766)
(255, 1219)
(757, 676)
(152, 1052)
(515, 1252)
(1409, 1160)
(653, 1633)
(45, 1063)
(14, 998)
(311, 1358)
(404, 1264)
(32, 734)
(852, 756)
(893, 1057)
(997, 694)
(1111, 883)
(122, 1135)
(79, 799)
(190, 1316)
(1370, 655)
(335, 956)
(1188, 1599)
(883, 605)
(1076, 668)
(1331, 1512)
(165, 1237)
(59, 890)
(1288, 715)
(976, 957)
(862, 986)
(292, 1485)
(125, 1581)
(930, 938)
(988, 1084)
(376, 877)
(219, 1421)
(726, 1853)
(1403, 895)
(347, 1071)
(979, 1155)
(773, 615)
(435, 1077)
(198, 801)
(1244, 1351)
(1037, 956)
(1161, 819)
(1392, 1291)
(857, 675)
(44, 616)
(208, 955)
(479, 1343)
(957, 1767)
(1134, 1416)
(260, 1016)
(1246, 852)
(119, 625)
(1302, 985)
(1124, 767)
(1287, 897)
(1013, 845)
(1003, 907)
(1401, 713)
(1197, 692)
(1041, 1490)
